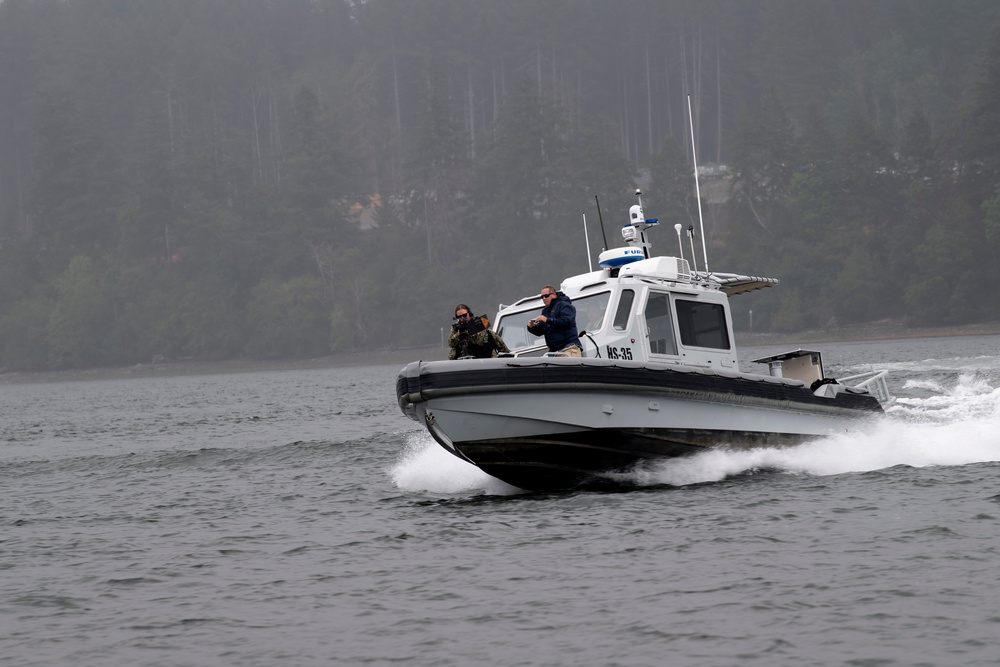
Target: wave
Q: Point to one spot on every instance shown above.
(426, 466)
(888, 445)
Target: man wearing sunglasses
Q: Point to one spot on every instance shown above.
(471, 336)
(557, 322)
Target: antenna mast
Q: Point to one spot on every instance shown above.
(694, 256)
(601, 219)
(697, 189)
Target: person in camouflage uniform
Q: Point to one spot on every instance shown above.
(471, 336)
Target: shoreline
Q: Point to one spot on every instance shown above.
(170, 368)
(884, 330)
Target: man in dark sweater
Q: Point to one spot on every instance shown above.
(557, 323)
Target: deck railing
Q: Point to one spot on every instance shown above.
(874, 382)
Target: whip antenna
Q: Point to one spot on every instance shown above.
(586, 239)
(601, 218)
(697, 190)
(694, 257)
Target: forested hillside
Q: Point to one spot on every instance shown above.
(248, 178)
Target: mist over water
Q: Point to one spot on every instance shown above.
(298, 518)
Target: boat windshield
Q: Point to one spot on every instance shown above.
(513, 329)
(590, 312)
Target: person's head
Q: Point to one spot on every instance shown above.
(462, 313)
(548, 293)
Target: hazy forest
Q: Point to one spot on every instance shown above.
(219, 179)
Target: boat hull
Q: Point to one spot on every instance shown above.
(559, 423)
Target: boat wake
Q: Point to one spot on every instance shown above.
(426, 466)
(939, 426)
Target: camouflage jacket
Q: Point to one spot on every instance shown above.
(481, 345)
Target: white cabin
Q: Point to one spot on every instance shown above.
(642, 308)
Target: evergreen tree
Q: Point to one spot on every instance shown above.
(438, 171)
(766, 157)
(83, 327)
(673, 186)
(205, 158)
(982, 127)
(70, 214)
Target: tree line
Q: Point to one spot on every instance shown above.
(242, 178)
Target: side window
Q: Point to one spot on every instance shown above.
(590, 312)
(702, 324)
(624, 308)
(661, 325)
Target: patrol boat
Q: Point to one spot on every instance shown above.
(659, 378)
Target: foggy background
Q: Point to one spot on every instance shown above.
(219, 179)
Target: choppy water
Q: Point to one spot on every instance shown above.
(297, 518)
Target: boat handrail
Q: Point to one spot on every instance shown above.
(874, 382)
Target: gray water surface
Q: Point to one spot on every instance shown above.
(297, 518)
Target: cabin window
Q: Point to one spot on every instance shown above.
(660, 324)
(624, 308)
(513, 329)
(590, 312)
(702, 324)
